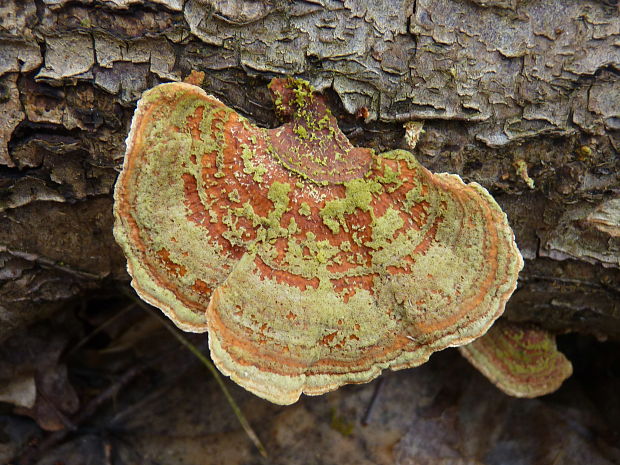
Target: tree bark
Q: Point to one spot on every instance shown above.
(520, 96)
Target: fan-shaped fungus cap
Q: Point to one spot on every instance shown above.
(311, 263)
(520, 359)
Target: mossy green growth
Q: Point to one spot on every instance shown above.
(303, 94)
(358, 194)
(271, 224)
(322, 251)
(384, 228)
(304, 209)
(323, 122)
(391, 176)
(338, 423)
(278, 194)
(301, 132)
(256, 170)
(521, 167)
(234, 196)
(303, 91)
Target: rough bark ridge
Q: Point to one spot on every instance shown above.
(521, 96)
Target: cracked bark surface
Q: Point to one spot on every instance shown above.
(508, 90)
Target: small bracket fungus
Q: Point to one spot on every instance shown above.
(310, 262)
(520, 359)
(521, 167)
(413, 132)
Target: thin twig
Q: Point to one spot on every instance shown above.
(373, 401)
(98, 329)
(128, 411)
(216, 374)
(245, 424)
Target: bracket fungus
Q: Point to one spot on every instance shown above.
(520, 359)
(310, 262)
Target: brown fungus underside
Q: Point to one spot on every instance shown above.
(311, 263)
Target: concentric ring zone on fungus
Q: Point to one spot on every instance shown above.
(311, 263)
(520, 359)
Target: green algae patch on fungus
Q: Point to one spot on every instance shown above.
(310, 262)
(520, 359)
(358, 195)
